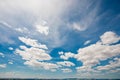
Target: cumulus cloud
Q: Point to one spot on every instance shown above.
(32, 42)
(91, 55)
(66, 63)
(99, 51)
(109, 38)
(3, 66)
(35, 55)
(66, 55)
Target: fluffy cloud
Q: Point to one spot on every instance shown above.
(109, 38)
(91, 55)
(66, 70)
(66, 55)
(66, 63)
(33, 53)
(3, 66)
(32, 42)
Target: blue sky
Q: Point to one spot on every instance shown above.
(60, 39)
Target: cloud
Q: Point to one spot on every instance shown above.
(10, 62)
(109, 38)
(66, 63)
(113, 65)
(10, 48)
(44, 65)
(32, 42)
(91, 55)
(35, 55)
(66, 70)
(87, 42)
(3, 66)
(66, 55)
(1, 54)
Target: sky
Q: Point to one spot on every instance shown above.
(60, 39)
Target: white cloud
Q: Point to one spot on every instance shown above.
(1, 54)
(32, 42)
(87, 42)
(91, 55)
(33, 53)
(66, 55)
(10, 48)
(2, 65)
(45, 65)
(109, 38)
(66, 70)
(66, 63)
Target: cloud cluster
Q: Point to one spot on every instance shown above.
(32, 42)
(100, 51)
(66, 55)
(35, 54)
(91, 55)
(109, 38)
